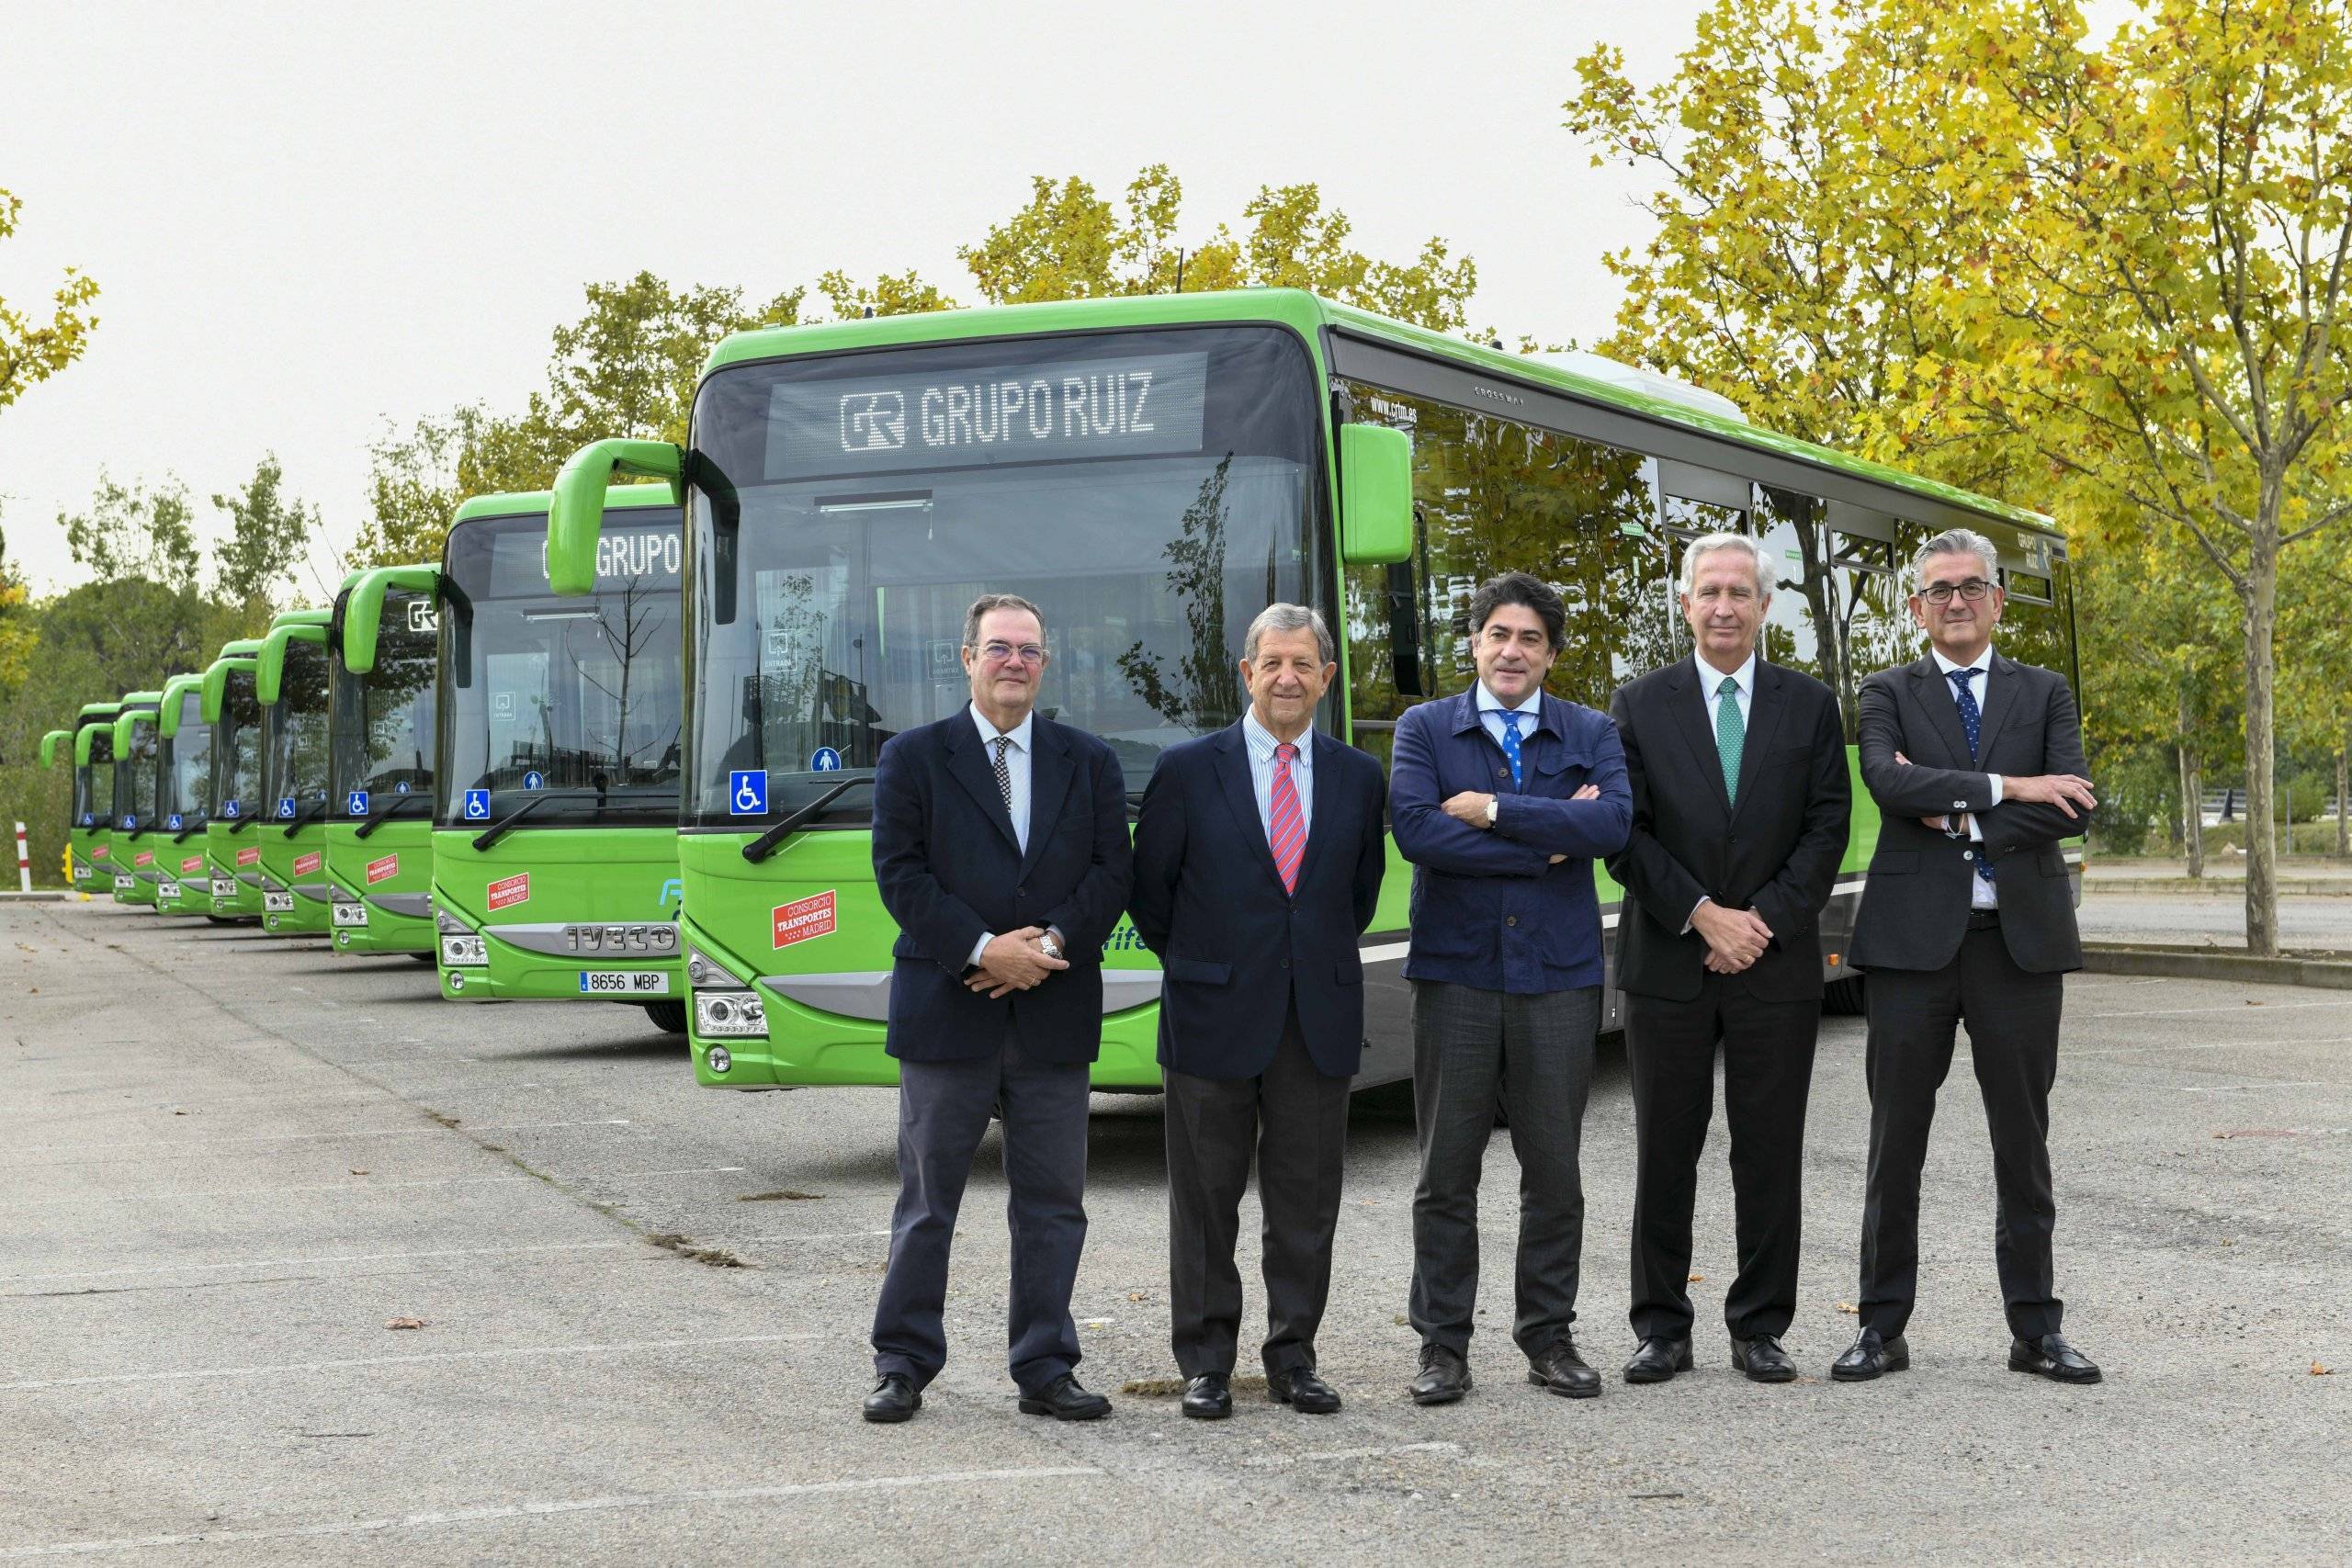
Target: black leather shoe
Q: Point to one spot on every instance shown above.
(2050, 1357)
(1655, 1361)
(1209, 1397)
(1445, 1376)
(1303, 1392)
(1064, 1401)
(1762, 1359)
(894, 1399)
(1558, 1367)
(1871, 1356)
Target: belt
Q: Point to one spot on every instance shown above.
(1984, 919)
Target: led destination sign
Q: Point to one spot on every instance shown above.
(1027, 413)
(628, 554)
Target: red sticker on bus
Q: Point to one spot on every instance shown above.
(383, 870)
(99, 851)
(249, 857)
(193, 863)
(305, 865)
(509, 891)
(144, 857)
(803, 919)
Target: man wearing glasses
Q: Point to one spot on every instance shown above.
(1976, 764)
(1001, 849)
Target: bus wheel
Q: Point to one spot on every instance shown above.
(669, 1018)
(222, 919)
(1843, 997)
(422, 957)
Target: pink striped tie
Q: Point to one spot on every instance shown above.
(1287, 832)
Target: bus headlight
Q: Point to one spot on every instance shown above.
(464, 950)
(729, 1015)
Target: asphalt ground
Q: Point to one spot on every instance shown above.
(231, 1160)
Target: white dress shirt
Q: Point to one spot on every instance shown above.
(1017, 758)
(1710, 693)
(1491, 709)
(1979, 892)
(1260, 742)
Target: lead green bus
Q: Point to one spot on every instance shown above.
(555, 863)
(90, 845)
(183, 799)
(135, 737)
(1152, 472)
(291, 684)
(232, 853)
(383, 653)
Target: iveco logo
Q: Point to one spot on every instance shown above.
(874, 422)
(1496, 393)
(662, 938)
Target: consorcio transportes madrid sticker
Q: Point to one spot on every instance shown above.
(193, 863)
(383, 870)
(803, 919)
(144, 857)
(305, 865)
(249, 857)
(509, 891)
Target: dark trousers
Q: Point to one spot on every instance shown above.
(2012, 1018)
(1767, 1077)
(944, 1108)
(1533, 1054)
(1296, 1120)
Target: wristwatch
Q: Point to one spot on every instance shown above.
(1048, 946)
(1494, 808)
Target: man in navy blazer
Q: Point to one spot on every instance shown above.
(1259, 855)
(1001, 849)
(1502, 798)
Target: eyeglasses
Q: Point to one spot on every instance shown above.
(1973, 590)
(1001, 652)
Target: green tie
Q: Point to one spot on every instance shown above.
(1731, 736)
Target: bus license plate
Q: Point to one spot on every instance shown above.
(624, 982)
(351, 914)
(224, 888)
(122, 882)
(277, 903)
(169, 890)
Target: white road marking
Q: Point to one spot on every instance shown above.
(2248, 1087)
(355, 1362)
(2241, 1007)
(551, 1508)
(1274, 1461)
(2211, 1046)
(311, 1262)
(197, 1144)
(362, 1184)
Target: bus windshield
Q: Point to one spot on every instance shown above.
(294, 767)
(94, 784)
(134, 790)
(236, 749)
(575, 702)
(188, 769)
(383, 720)
(1150, 491)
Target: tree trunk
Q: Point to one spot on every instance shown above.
(2261, 602)
(2192, 808)
(2343, 778)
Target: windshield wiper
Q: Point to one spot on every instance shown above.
(506, 824)
(135, 832)
(759, 849)
(243, 823)
(181, 837)
(302, 819)
(378, 819)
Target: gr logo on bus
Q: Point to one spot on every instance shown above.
(804, 918)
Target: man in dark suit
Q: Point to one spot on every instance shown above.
(1976, 762)
(1501, 798)
(1001, 849)
(1740, 810)
(1258, 854)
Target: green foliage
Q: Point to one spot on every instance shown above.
(130, 531)
(270, 531)
(32, 352)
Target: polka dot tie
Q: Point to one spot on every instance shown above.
(1731, 736)
(1511, 744)
(1972, 720)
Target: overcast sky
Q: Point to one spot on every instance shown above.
(311, 220)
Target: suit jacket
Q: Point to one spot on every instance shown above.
(1237, 952)
(1915, 906)
(949, 869)
(1489, 908)
(1777, 851)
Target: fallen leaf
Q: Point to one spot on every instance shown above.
(358, 1173)
(2226, 1242)
(1135, 1296)
(2322, 1371)
(1698, 1279)
(404, 1322)
(1402, 1320)
(2252, 1003)
(1849, 1309)
(179, 1113)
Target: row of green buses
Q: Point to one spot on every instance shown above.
(616, 744)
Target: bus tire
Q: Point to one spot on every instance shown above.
(222, 919)
(1843, 998)
(669, 1018)
(422, 957)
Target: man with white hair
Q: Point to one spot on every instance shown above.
(1740, 810)
(1976, 764)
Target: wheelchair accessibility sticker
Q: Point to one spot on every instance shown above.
(747, 793)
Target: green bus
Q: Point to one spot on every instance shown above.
(135, 735)
(1152, 471)
(555, 860)
(91, 843)
(183, 799)
(291, 684)
(384, 655)
(238, 734)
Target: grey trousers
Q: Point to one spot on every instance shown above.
(1295, 1121)
(1533, 1054)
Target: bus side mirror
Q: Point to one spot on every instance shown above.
(576, 515)
(49, 746)
(363, 612)
(1375, 494)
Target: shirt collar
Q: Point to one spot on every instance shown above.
(1711, 680)
(1018, 734)
(1983, 661)
(1490, 703)
(1262, 741)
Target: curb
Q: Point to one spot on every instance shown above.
(40, 895)
(2198, 963)
(2235, 886)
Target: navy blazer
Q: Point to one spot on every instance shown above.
(1236, 950)
(949, 870)
(1489, 908)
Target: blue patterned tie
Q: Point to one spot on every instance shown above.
(1511, 743)
(1972, 720)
